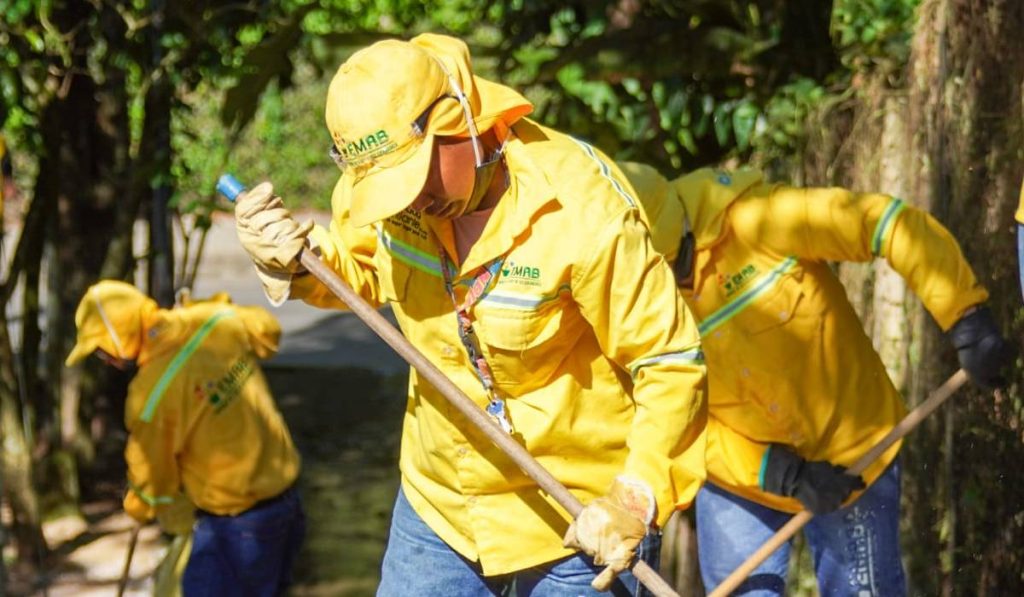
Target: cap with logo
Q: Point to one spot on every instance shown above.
(388, 102)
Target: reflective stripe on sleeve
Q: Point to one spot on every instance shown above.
(885, 224)
(150, 500)
(606, 171)
(762, 285)
(692, 356)
(764, 467)
(179, 360)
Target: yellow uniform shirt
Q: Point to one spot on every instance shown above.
(590, 345)
(201, 419)
(788, 359)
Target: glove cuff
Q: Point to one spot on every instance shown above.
(780, 470)
(277, 286)
(972, 327)
(636, 497)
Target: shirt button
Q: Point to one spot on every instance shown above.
(745, 372)
(718, 334)
(783, 314)
(472, 500)
(447, 350)
(462, 451)
(773, 407)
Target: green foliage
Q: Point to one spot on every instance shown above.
(268, 149)
(873, 34)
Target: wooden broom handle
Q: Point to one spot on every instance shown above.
(371, 317)
(905, 426)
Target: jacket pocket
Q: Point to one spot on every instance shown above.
(525, 349)
(773, 310)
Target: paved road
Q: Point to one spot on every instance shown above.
(312, 337)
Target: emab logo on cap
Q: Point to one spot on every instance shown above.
(372, 145)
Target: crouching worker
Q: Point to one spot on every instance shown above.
(203, 431)
(796, 390)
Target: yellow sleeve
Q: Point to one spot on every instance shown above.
(834, 224)
(263, 329)
(627, 293)
(661, 208)
(153, 477)
(737, 461)
(349, 252)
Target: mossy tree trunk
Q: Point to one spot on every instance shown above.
(951, 141)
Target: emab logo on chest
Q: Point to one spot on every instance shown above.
(732, 283)
(521, 274)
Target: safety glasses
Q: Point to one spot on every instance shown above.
(484, 170)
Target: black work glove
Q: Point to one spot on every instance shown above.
(820, 486)
(982, 351)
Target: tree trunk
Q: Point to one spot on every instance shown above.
(17, 461)
(957, 156)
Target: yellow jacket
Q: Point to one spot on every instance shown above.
(788, 359)
(590, 344)
(200, 416)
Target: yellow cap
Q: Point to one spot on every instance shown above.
(111, 316)
(376, 97)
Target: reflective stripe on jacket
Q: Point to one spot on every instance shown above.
(202, 422)
(788, 359)
(591, 346)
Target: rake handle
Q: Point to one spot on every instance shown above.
(905, 426)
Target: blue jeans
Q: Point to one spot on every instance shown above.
(250, 554)
(417, 562)
(856, 549)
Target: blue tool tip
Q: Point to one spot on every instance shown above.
(229, 186)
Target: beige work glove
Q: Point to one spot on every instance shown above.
(177, 517)
(610, 528)
(272, 238)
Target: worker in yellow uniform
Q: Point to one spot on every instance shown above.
(515, 259)
(204, 433)
(797, 393)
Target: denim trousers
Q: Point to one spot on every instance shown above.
(250, 554)
(417, 562)
(855, 550)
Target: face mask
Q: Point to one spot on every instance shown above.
(483, 173)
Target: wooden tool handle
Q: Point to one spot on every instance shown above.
(465, 405)
(905, 426)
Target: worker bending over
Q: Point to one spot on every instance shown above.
(204, 433)
(797, 393)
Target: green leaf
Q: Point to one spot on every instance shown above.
(743, 120)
